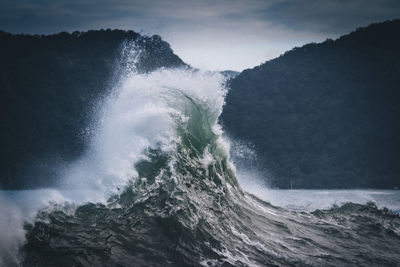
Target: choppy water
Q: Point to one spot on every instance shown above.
(157, 188)
(310, 200)
(249, 233)
(28, 202)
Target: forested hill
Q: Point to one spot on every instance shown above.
(48, 84)
(325, 115)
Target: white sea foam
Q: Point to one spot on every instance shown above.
(139, 114)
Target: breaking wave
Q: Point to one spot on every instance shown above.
(172, 197)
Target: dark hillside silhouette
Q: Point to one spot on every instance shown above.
(325, 115)
(48, 85)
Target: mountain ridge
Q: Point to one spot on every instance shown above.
(324, 115)
(50, 85)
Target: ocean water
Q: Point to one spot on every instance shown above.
(29, 202)
(299, 227)
(157, 187)
(311, 200)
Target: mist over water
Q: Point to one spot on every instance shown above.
(12, 234)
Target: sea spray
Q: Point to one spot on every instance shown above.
(12, 234)
(146, 111)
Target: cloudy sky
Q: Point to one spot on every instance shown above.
(210, 34)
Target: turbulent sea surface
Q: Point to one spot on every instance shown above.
(157, 188)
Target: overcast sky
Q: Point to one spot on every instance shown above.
(210, 34)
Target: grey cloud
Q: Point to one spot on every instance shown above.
(330, 16)
(34, 15)
(310, 15)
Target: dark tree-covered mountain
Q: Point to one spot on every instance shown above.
(325, 115)
(48, 85)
